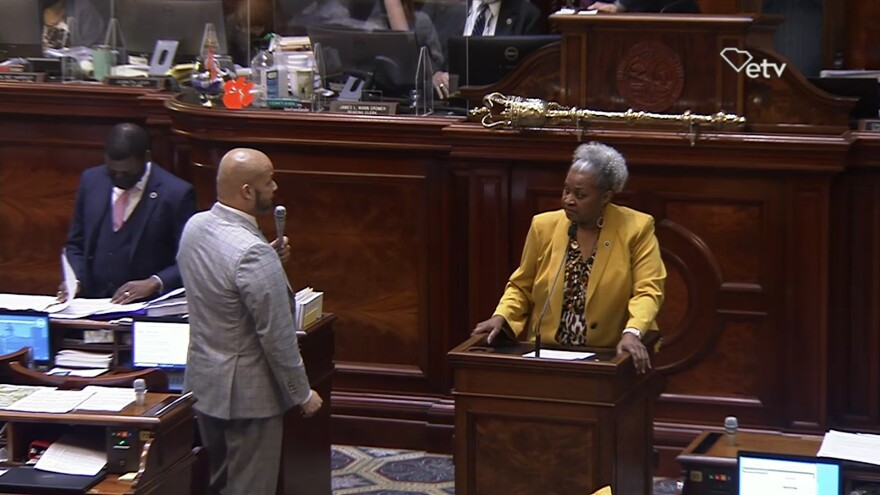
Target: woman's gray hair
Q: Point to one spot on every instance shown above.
(604, 161)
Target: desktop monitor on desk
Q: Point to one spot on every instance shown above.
(21, 29)
(772, 473)
(25, 329)
(482, 60)
(145, 21)
(161, 343)
(388, 60)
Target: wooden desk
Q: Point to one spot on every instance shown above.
(166, 430)
(305, 459)
(305, 449)
(709, 462)
(527, 426)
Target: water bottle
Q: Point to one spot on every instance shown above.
(262, 62)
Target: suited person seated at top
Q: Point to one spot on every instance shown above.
(493, 18)
(127, 221)
(594, 265)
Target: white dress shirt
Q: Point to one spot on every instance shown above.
(135, 193)
(492, 16)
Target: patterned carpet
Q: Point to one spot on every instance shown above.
(371, 471)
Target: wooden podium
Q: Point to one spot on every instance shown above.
(527, 426)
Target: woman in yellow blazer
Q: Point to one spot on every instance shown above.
(601, 260)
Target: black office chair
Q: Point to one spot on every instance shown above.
(681, 7)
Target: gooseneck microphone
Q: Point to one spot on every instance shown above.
(140, 390)
(730, 428)
(280, 218)
(572, 231)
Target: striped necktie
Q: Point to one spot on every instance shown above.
(480, 22)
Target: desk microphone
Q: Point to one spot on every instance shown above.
(280, 217)
(537, 328)
(730, 428)
(140, 390)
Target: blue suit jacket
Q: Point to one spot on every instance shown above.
(169, 202)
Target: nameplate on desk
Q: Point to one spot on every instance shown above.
(135, 82)
(872, 125)
(364, 108)
(289, 104)
(22, 76)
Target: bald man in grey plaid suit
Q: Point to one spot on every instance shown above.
(244, 366)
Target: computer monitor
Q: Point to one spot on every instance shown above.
(482, 60)
(25, 329)
(866, 89)
(145, 21)
(388, 60)
(773, 473)
(159, 342)
(21, 29)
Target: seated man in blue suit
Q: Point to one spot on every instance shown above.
(129, 215)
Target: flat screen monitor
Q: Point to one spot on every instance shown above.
(145, 21)
(866, 89)
(386, 59)
(160, 343)
(482, 60)
(21, 29)
(784, 474)
(25, 329)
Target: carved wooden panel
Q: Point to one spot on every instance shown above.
(39, 174)
(510, 465)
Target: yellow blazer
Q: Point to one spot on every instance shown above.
(625, 289)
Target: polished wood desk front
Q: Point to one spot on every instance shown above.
(305, 449)
(164, 424)
(527, 426)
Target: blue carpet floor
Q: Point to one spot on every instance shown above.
(370, 471)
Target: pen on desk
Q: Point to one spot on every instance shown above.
(174, 403)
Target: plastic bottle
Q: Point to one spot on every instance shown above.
(262, 62)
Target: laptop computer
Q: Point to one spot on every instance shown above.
(765, 473)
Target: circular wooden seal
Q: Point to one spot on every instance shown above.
(650, 76)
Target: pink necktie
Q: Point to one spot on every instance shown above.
(119, 207)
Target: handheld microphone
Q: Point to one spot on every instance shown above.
(730, 428)
(140, 390)
(537, 328)
(280, 217)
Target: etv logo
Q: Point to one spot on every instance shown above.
(753, 69)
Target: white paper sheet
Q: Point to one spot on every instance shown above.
(860, 447)
(50, 400)
(81, 308)
(561, 355)
(73, 454)
(107, 399)
(25, 302)
(10, 394)
(86, 373)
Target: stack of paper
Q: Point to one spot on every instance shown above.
(81, 359)
(309, 307)
(860, 447)
(170, 307)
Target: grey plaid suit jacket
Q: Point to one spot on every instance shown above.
(243, 360)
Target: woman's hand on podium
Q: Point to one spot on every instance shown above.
(493, 326)
(633, 345)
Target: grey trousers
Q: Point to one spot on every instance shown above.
(244, 455)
